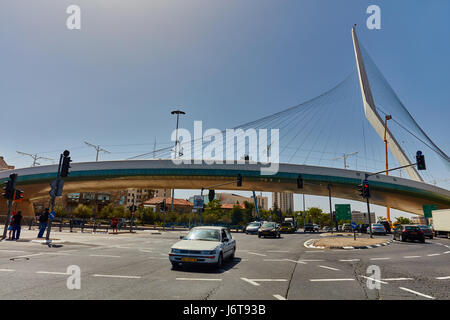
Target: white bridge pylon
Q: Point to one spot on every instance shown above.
(373, 116)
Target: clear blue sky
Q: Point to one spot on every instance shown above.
(226, 62)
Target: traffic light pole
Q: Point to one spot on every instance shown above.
(132, 215)
(331, 208)
(368, 211)
(58, 179)
(8, 217)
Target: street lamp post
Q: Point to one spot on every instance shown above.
(177, 112)
(388, 209)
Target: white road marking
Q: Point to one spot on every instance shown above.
(258, 254)
(143, 250)
(273, 260)
(51, 272)
(295, 261)
(397, 279)
(103, 255)
(115, 276)
(376, 280)
(7, 270)
(446, 252)
(349, 260)
(306, 260)
(325, 267)
(18, 251)
(251, 281)
(197, 279)
(325, 280)
(418, 293)
(410, 257)
(29, 255)
(443, 278)
(279, 297)
(434, 254)
(379, 258)
(282, 251)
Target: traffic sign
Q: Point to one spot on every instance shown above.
(343, 211)
(353, 225)
(198, 202)
(427, 210)
(51, 215)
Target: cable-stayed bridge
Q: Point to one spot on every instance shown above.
(311, 136)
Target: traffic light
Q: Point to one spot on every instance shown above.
(420, 159)
(18, 195)
(299, 181)
(65, 164)
(364, 189)
(239, 180)
(211, 195)
(132, 208)
(10, 186)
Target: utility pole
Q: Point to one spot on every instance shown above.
(304, 212)
(97, 148)
(331, 208)
(35, 157)
(177, 112)
(345, 156)
(388, 209)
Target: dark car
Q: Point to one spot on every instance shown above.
(362, 228)
(310, 227)
(269, 229)
(409, 232)
(287, 227)
(386, 225)
(427, 231)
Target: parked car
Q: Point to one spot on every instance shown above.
(271, 229)
(378, 228)
(252, 227)
(386, 225)
(326, 229)
(203, 245)
(310, 227)
(409, 232)
(346, 227)
(362, 228)
(427, 231)
(287, 227)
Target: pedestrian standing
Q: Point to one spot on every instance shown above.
(11, 225)
(114, 224)
(17, 223)
(43, 220)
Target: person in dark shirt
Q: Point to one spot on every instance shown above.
(17, 225)
(43, 220)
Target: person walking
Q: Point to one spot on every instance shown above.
(43, 220)
(17, 225)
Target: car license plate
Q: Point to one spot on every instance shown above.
(414, 233)
(189, 259)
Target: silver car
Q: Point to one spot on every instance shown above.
(203, 245)
(378, 228)
(253, 227)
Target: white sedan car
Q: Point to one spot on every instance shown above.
(203, 245)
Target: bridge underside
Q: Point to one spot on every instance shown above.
(397, 193)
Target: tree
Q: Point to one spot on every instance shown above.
(236, 215)
(61, 212)
(403, 220)
(381, 218)
(82, 211)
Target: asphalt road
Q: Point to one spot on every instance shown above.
(136, 266)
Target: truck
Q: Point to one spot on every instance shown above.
(441, 222)
(291, 220)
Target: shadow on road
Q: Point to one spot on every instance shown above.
(227, 265)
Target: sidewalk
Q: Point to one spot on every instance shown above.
(344, 242)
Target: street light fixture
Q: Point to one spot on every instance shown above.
(177, 112)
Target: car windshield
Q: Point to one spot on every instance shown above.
(254, 224)
(286, 224)
(378, 225)
(424, 227)
(411, 228)
(203, 234)
(268, 225)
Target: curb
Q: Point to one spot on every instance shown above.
(50, 241)
(310, 245)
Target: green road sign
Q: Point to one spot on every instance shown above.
(343, 211)
(427, 209)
